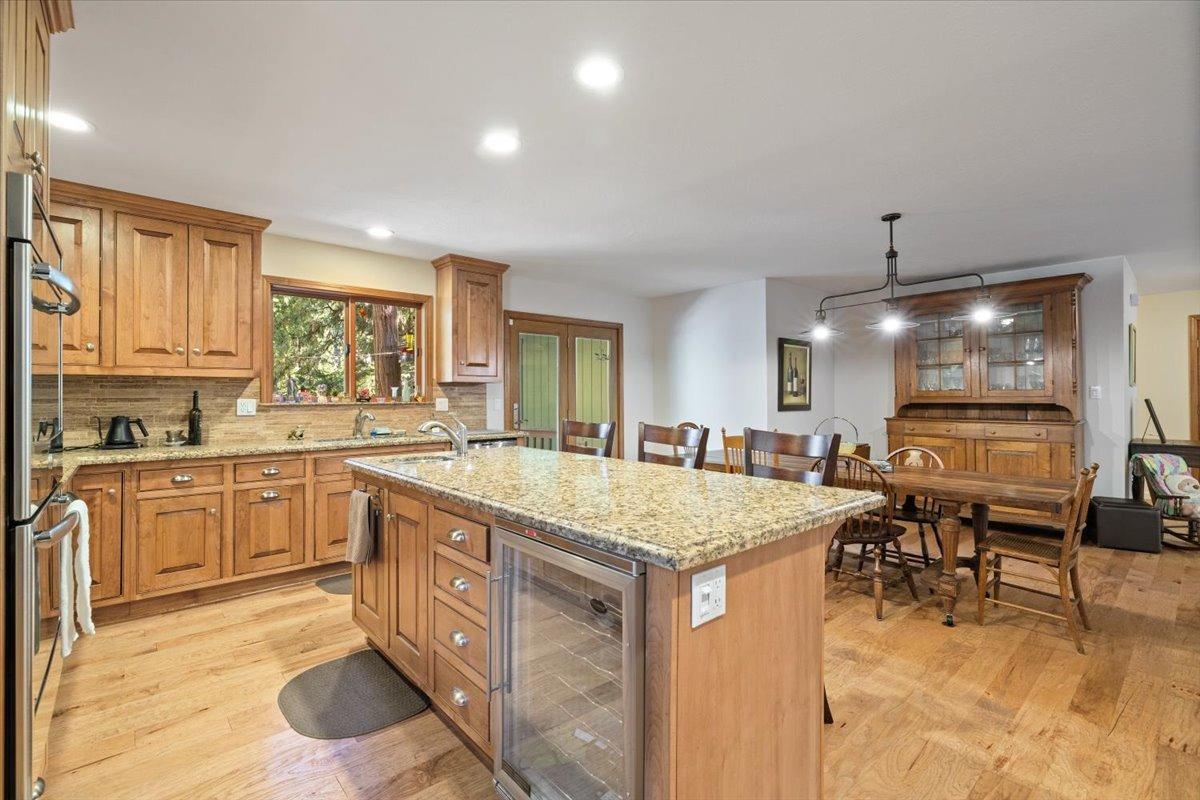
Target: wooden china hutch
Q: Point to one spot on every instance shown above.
(1002, 397)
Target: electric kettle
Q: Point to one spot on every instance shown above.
(120, 433)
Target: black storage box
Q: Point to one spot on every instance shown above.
(1125, 524)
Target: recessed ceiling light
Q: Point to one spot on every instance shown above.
(69, 122)
(600, 73)
(500, 142)
(380, 232)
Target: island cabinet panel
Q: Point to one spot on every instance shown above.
(460, 533)
(451, 576)
(220, 299)
(77, 229)
(460, 635)
(178, 541)
(369, 596)
(408, 584)
(152, 292)
(463, 697)
(104, 494)
(331, 514)
(268, 528)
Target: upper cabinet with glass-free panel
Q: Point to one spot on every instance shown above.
(469, 336)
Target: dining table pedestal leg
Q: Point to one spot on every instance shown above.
(948, 581)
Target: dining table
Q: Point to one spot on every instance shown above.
(953, 490)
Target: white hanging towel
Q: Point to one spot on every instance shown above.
(83, 569)
(66, 596)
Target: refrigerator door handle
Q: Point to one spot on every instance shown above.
(63, 287)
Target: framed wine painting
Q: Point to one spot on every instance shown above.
(795, 375)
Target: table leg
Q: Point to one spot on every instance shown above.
(948, 580)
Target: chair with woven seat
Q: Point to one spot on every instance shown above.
(1059, 557)
(687, 445)
(573, 430)
(920, 510)
(874, 529)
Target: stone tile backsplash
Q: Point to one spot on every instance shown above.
(164, 403)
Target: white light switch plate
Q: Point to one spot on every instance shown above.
(1094, 392)
(247, 407)
(708, 595)
(441, 404)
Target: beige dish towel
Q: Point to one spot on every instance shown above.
(360, 542)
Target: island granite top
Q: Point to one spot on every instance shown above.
(668, 516)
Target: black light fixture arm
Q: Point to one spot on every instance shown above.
(893, 278)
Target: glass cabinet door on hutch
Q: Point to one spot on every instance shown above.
(941, 363)
(1014, 354)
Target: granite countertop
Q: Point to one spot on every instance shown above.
(71, 460)
(668, 516)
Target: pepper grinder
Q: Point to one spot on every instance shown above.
(193, 436)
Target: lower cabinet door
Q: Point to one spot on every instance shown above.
(331, 514)
(408, 584)
(369, 598)
(103, 493)
(178, 541)
(1016, 458)
(953, 452)
(268, 528)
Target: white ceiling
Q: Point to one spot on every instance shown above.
(746, 140)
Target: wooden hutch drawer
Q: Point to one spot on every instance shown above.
(461, 697)
(184, 476)
(931, 428)
(1031, 432)
(278, 470)
(464, 535)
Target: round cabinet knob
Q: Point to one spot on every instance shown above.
(112, 492)
(195, 351)
(179, 351)
(458, 697)
(212, 512)
(389, 517)
(89, 346)
(458, 583)
(462, 363)
(459, 639)
(35, 160)
(458, 535)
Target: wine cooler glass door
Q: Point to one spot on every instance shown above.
(568, 648)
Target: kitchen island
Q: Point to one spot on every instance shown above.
(546, 602)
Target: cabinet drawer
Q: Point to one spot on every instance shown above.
(184, 476)
(331, 465)
(280, 470)
(462, 534)
(461, 697)
(460, 636)
(465, 584)
(1032, 432)
(931, 428)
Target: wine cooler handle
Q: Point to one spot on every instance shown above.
(494, 597)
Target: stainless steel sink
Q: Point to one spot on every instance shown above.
(400, 461)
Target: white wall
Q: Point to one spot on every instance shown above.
(284, 256)
(789, 310)
(1162, 361)
(865, 377)
(568, 300)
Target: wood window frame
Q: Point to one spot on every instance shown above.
(511, 377)
(423, 304)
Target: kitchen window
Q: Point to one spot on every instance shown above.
(331, 344)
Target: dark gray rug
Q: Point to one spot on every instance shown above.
(336, 584)
(348, 697)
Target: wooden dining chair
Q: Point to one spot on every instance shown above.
(734, 447)
(687, 445)
(801, 450)
(573, 429)
(875, 529)
(1060, 559)
(921, 510)
(686, 451)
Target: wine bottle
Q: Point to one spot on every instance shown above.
(194, 420)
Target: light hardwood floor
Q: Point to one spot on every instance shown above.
(183, 705)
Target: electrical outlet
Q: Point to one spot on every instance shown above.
(708, 595)
(1094, 392)
(441, 404)
(247, 407)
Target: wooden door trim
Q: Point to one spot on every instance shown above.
(510, 363)
(1194, 374)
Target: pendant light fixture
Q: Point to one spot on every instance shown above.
(893, 320)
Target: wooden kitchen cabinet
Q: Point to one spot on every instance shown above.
(469, 334)
(104, 494)
(220, 299)
(407, 552)
(178, 541)
(77, 229)
(268, 528)
(152, 292)
(953, 452)
(331, 510)
(369, 597)
(1023, 459)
